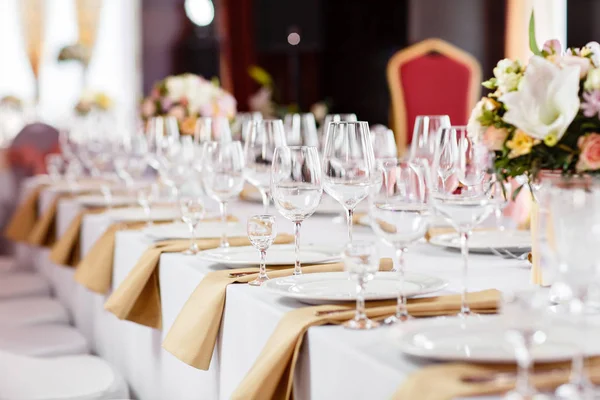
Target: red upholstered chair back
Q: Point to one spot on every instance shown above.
(432, 77)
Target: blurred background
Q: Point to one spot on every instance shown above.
(313, 50)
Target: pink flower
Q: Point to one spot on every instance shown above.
(177, 112)
(166, 104)
(494, 138)
(583, 63)
(148, 108)
(552, 47)
(589, 159)
(591, 104)
(155, 94)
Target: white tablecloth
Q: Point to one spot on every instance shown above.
(335, 362)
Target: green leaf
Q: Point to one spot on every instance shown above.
(532, 42)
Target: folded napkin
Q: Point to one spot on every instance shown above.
(454, 380)
(137, 298)
(194, 333)
(43, 232)
(271, 377)
(24, 217)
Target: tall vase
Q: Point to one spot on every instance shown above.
(32, 20)
(88, 21)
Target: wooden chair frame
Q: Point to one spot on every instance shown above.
(398, 104)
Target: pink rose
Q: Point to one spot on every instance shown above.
(155, 94)
(148, 108)
(589, 159)
(494, 138)
(177, 112)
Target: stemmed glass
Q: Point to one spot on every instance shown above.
(146, 195)
(55, 165)
(222, 175)
(297, 187)
(460, 189)
(361, 260)
(399, 215)
(425, 132)
(215, 129)
(262, 233)
(301, 130)
(163, 132)
(384, 143)
(262, 140)
(192, 212)
(348, 165)
(329, 118)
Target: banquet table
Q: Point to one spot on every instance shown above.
(334, 362)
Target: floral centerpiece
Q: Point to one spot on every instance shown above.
(188, 97)
(544, 115)
(93, 101)
(11, 102)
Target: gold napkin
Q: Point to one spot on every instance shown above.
(272, 374)
(194, 333)
(43, 232)
(66, 251)
(24, 218)
(137, 298)
(454, 380)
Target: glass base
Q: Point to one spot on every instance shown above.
(259, 281)
(573, 391)
(395, 320)
(361, 324)
(530, 395)
(470, 316)
(190, 252)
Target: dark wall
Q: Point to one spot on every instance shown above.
(582, 22)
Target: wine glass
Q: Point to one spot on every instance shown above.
(460, 189)
(215, 129)
(222, 175)
(301, 130)
(523, 315)
(399, 215)
(297, 187)
(348, 165)
(500, 193)
(146, 195)
(55, 165)
(384, 143)
(425, 132)
(361, 260)
(163, 132)
(262, 233)
(241, 120)
(192, 212)
(329, 118)
(262, 140)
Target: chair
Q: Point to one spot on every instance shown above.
(47, 340)
(432, 77)
(32, 311)
(23, 284)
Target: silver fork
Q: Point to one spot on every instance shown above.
(506, 254)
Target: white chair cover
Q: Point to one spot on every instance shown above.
(43, 340)
(23, 284)
(32, 311)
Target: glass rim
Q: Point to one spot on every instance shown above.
(432, 116)
(265, 216)
(296, 147)
(349, 122)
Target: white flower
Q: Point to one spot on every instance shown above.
(547, 101)
(593, 80)
(474, 127)
(508, 73)
(176, 88)
(594, 50)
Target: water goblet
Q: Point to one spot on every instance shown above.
(146, 195)
(55, 165)
(425, 132)
(329, 118)
(361, 261)
(301, 130)
(261, 232)
(384, 143)
(297, 187)
(222, 175)
(192, 212)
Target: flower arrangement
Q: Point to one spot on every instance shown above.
(188, 97)
(544, 115)
(91, 101)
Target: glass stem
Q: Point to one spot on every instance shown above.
(223, 207)
(525, 363)
(297, 269)
(498, 214)
(193, 245)
(360, 299)
(401, 310)
(262, 272)
(464, 249)
(578, 375)
(349, 214)
(266, 200)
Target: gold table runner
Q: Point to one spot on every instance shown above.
(137, 298)
(271, 376)
(194, 333)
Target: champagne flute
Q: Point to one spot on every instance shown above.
(222, 175)
(301, 130)
(348, 165)
(425, 132)
(192, 212)
(262, 140)
(146, 195)
(215, 129)
(297, 187)
(361, 260)
(399, 215)
(261, 232)
(460, 194)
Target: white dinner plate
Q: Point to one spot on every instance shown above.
(485, 341)
(278, 254)
(436, 221)
(481, 241)
(328, 205)
(330, 287)
(137, 214)
(100, 201)
(205, 230)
